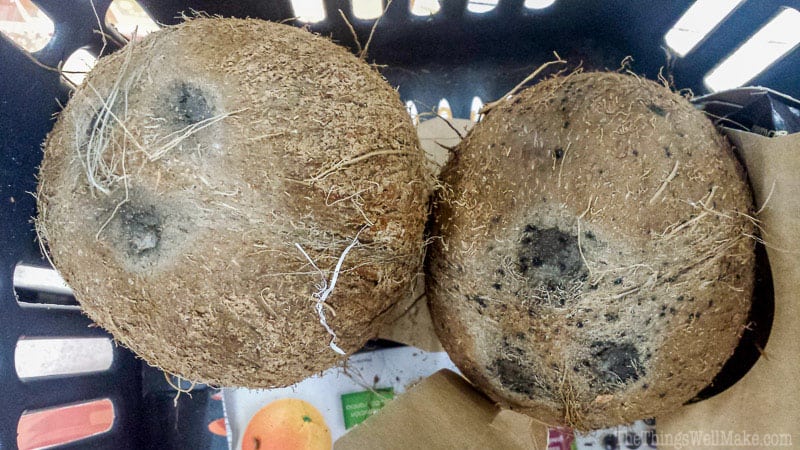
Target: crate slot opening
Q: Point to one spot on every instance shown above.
(77, 65)
(41, 286)
(538, 4)
(25, 24)
(45, 357)
(129, 19)
(481, 6)
(703, 17)
(767, 46)
(367, 9)
(424, 7)
(47, 428)
(309, 11)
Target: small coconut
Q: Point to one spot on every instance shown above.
(592, 261)
(237, 201)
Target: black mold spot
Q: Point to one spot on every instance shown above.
(141, 229)
(589, 235)
(611, 317)
(497, 286)
(667, 152)
(635, 152)
(191, 105)
(656, 109)
(482, 302)
(566, 124)
(511, 373)
(496, 219)
(558, 153)
(616, 362)
(618, 281)
(579, 324)
(549, 255)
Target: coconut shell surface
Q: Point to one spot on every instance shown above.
(205, 188)
(592, 259)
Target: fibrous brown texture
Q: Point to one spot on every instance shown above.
(592, 260)
(200, 188)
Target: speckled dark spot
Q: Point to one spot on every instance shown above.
(497, 286)
(549, 256)
(558, 153)
(481, 301)
(616, 362)
(667, 152)
(512, 373)
(190, 104)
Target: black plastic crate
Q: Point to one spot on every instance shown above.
(454, 54)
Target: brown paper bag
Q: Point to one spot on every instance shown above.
(444, 412)
(763, 408)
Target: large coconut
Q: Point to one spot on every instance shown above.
(236, 201)
(592, 263)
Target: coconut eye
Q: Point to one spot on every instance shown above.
(141, 228)
(190, 104)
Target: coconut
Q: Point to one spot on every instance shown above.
(592, 260)
(238, 202)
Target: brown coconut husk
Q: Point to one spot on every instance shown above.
(595, 262)
(238, 202)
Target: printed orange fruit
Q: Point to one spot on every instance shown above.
(287, 424)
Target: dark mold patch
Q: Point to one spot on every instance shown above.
(558, 153)
(513, 374)
(191, 105)
(615, 363)
(550, 256)
(141, 229)
(481, 301)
